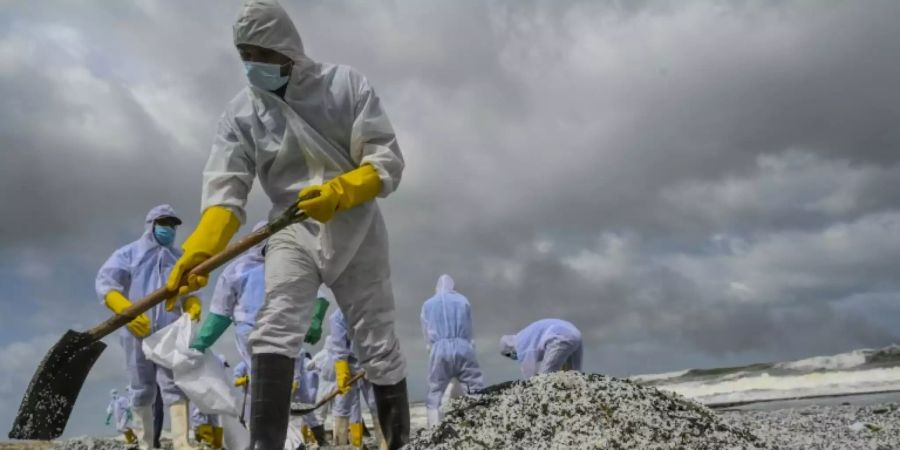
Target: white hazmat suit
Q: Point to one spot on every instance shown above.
(330, 121)
(447, 325)
(545, 346)
(323, 122)
(120, 410)
(136, 270)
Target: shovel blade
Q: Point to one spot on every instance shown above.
(302, 409)
(51, 395)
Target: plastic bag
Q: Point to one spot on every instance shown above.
(201, 376)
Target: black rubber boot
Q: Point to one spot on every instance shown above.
(319, 432)
(270, 400)
(392, 403)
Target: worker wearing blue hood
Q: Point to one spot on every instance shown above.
(135, 271)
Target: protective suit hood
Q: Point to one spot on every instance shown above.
(147, 240)
(158, 212)
(266, 24)
(444, 285)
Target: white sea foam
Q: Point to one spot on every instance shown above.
(657, 376)
(840, 361)
(767, 387)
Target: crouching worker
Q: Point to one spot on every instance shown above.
(545, 346)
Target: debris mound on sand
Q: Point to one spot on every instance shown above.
(574, 410)
(89, 443)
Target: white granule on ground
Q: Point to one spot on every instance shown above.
(90, 443)
(570, 410)
(825, 427)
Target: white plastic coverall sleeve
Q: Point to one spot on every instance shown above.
(236, 295)
(340, 344)
(323, 363)
(136, 270)
(447, 323)
(328, 122)
(225, 295)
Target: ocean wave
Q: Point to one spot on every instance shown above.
(842, 361)
(766, 387)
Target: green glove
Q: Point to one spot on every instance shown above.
(108, 418)
(315, 328)
(212, 328)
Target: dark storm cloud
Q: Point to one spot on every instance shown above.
(691, 183)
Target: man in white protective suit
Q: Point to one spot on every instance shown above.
(447, 325)
(545, 346)
(316, 135)
(119, 409)
(133, 272)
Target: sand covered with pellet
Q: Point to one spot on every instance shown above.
(574, 410)
(875, 427)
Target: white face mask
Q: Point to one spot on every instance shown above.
(265, 76)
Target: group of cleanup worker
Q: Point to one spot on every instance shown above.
(317, 137)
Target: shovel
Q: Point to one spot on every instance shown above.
(302, 410)
(51, 395)
(244, 408)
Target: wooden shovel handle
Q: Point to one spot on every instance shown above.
(337, 391)
(291, 215)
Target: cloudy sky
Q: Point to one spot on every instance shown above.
(692, 183)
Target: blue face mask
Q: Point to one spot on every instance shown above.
(264, 75)
(164, 235)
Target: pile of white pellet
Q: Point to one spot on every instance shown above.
(90, 443)
(577, 411)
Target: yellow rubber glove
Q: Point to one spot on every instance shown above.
(343, 192)
(294, 387)
(193, 308)
(217, 225)
(342, 375)
(140, 326)
(241, 381)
